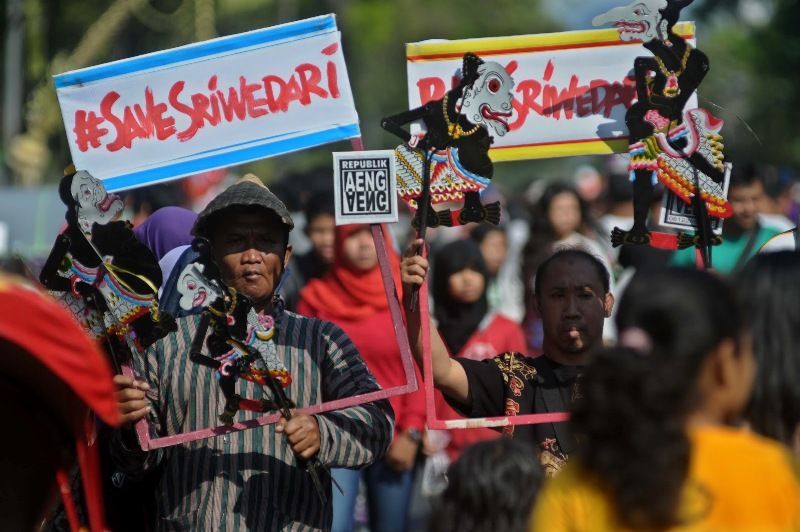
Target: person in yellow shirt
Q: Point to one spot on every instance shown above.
(659, 450)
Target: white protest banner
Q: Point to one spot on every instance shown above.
(364, 187)
(209, 105)
(571, 89)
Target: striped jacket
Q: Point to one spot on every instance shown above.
(250, 480)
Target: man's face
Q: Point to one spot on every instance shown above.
(745, 200)
(573, 305)
(248, 248)
(321, 230)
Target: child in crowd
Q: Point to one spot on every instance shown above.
(491, 488)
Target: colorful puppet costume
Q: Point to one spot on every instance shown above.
(658, 154)
(449, 178)
(241, 344)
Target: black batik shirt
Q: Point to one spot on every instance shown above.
(512, 384)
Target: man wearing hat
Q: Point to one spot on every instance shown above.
(254, 479)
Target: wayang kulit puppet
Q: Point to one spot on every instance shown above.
(240, 346)
(680, 148)
(102, 273)
(449, 164)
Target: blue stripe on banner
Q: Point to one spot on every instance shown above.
(231, 158)
(323, 24)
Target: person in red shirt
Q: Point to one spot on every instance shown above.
(352, 296)
(467, 326)
(52, 378)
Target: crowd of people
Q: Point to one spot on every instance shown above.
(680, 382)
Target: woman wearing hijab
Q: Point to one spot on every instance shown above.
(167, 233)
(467, 326)
(352, 296)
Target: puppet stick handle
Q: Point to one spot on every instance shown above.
(700, 211)
(423, 216)
(703, 222)
(313, 466)
(141, 426)
(113, 355)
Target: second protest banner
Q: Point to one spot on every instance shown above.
(571, 89)
(209, 105)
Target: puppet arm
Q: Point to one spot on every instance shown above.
(393, 124)
(49, 275)
(641, 66)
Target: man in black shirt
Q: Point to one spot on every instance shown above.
(573, 298)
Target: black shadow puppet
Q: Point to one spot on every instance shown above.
(449, 165)
(681, 148)
(102, 273)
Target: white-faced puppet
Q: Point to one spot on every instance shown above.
(94, 203)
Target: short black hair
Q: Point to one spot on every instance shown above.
(320, 202)
(744, 175)
(492, 486)
(572, 253)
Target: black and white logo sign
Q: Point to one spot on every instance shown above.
(364, 187)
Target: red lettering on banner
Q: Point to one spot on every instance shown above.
(333, 79)
(105, 109)
(233, 106)
(87, 130)
(310, 76)
(206, 108)
(546, 99)
(431, 89)
(164, 126)
(255, 106)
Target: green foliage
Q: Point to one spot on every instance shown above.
(755, 76)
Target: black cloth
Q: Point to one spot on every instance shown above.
(512, 384)
(457, 321)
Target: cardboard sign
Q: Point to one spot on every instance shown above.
(571, 89)
(209, 105)
(680, 215)
(365, 187)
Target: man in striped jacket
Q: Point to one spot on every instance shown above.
(251, 480)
